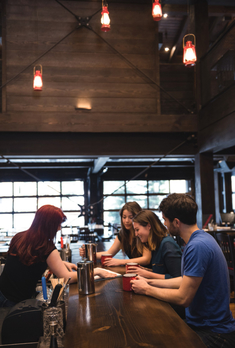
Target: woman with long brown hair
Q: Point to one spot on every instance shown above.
(166, 254)
(126, 240)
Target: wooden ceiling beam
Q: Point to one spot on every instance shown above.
(224, 10)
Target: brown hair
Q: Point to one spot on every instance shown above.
(35, 243)
(133, 208)
(157, 232)
(180, 206)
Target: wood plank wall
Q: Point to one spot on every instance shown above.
(84, 71)
(178, 81)
(217, 116)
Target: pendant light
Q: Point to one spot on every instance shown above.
(189, 51)
(157, 10)
(105, 20)
(37, 80)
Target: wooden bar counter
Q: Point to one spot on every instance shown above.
(113, 318)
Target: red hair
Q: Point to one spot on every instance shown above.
(35, 243)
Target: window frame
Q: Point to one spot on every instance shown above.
(14, 213)
(148, 194)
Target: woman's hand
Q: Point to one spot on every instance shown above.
(112, 262)
(70, 266)
(104, 274)
(140, 271)
(82, 251)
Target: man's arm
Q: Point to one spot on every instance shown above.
(182, 296)
(172, 283)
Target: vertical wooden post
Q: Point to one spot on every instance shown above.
(217, 197)
(228, 192)
(96, 194)
(204, 187)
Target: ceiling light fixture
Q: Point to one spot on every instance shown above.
(105, 20)
(189, 51)
(166, 49)
(157, 10)
(37, 79)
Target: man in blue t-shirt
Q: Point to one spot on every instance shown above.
(204, 286)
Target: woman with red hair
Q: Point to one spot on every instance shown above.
(30, 253)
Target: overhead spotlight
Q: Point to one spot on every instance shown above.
(166, 49)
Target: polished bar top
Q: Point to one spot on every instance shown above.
(112, 318)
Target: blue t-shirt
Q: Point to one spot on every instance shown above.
(202, 257)
(167, 258)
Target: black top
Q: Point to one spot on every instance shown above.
(18, 281)
(128, 250)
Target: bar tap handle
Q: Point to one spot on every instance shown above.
(44, 289)
(55, 295)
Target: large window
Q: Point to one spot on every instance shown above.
(148, 193)
(20, 200)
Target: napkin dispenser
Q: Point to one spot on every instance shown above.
(24, 323)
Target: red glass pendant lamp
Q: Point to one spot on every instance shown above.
(157, 10)
(189, 51)
(37, 79)
(105, 20)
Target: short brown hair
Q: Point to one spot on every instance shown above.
(180, 206)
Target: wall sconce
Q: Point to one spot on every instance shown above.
(157, 10)
(105, 20)
(37, 79)
(82, 109)
(189, 51)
